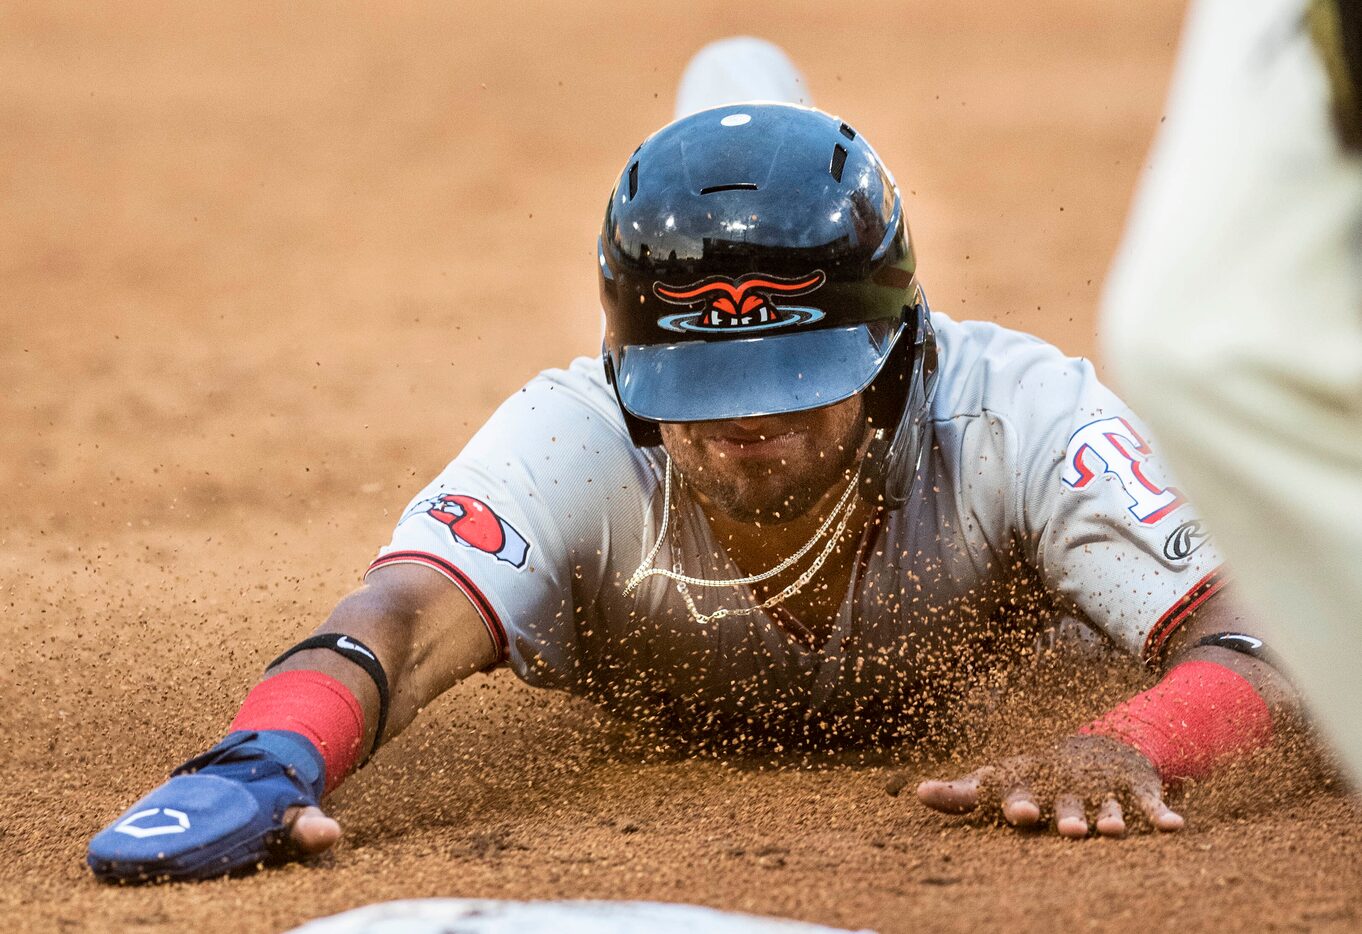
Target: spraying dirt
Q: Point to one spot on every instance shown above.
(264, 271)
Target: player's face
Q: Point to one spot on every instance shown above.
(772, 468)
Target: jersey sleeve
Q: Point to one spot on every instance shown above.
(521, 519)
(1097, 513)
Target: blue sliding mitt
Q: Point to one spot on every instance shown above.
(220, 812)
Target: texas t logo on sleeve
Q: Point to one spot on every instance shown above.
(1112, 445)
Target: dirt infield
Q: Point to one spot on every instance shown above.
(264, 268)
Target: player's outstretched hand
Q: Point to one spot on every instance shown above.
(1086, 782)
(250, 800)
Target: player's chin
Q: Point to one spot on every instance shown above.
(759, 492)
(765, 506)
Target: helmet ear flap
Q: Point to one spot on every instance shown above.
(606, 278)
(643, 433)
(898, 402)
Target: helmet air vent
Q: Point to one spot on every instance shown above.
(848, 132)
(633, 180)
(736, 186)
(839, 159)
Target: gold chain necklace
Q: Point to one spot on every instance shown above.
(839, 516)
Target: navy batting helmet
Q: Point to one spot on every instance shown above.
(755, 260)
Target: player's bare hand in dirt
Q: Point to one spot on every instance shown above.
(311, 831)
(1085, 783)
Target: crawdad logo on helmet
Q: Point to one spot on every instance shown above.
(473, 524)
(719, 304)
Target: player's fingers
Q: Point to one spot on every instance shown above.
(1111, 821)
(1020, 808)
(310, 830)
(1070, 820)
(953, 797)
(1160, 815)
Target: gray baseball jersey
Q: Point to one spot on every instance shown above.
(1039, 498)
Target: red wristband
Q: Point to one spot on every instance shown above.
(1200, 714)
(315, 705)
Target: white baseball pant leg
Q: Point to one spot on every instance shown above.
(1233, 323)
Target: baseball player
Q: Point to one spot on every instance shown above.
(1234, 317)
(787, 503)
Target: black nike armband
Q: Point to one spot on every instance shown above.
(353, 650)
(1242, 643)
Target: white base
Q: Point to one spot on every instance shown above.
(487, 916)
